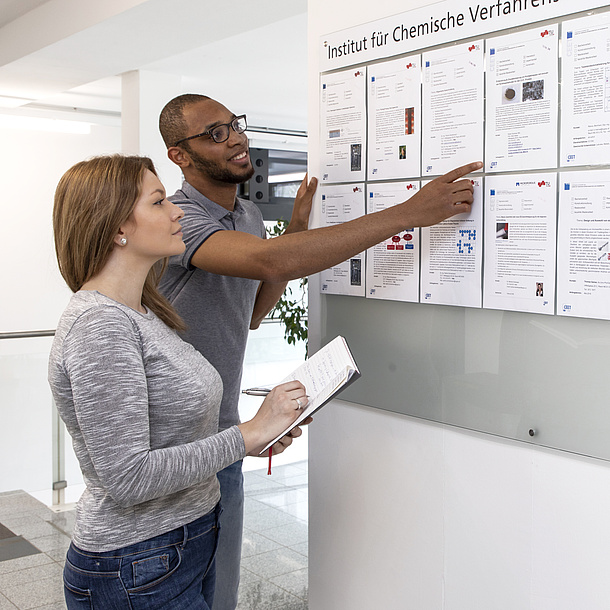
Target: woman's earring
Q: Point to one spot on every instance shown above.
(123, 241)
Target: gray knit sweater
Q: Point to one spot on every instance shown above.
(141, 406)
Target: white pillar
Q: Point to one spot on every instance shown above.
(143, 96)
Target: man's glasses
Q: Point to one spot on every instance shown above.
(221, 133)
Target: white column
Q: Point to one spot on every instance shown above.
(143, 96)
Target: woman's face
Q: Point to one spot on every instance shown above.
(153, 230)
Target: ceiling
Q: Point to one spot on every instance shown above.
(67, 54)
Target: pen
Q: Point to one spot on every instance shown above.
(256, 391)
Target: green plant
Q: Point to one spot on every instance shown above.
(291, 309)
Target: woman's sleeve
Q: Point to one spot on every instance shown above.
(104, 362)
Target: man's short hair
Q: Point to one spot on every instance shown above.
(171, 120)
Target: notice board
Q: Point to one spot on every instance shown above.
(497, 321)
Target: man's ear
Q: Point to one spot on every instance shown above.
(179, 156)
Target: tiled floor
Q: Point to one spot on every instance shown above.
(274, 564)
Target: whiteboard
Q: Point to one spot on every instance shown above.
(499, 372)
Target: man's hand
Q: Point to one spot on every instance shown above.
(302, 206)
(442, 198)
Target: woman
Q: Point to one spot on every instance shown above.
(140, 404)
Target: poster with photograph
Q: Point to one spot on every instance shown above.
(343, 126)
(341, 203)
(394, 125)
(520, 242)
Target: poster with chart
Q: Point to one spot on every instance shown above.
(452, 107)
(452, 255)
(583, 245)
(521, 100)
(343, 126)
(520, 242)
(342, 203)
(394, 118)
(585, 91)
(392, 266)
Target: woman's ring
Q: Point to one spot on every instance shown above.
(298, 403)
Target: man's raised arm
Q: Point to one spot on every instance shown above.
(295, 255)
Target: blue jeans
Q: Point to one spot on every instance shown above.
(174, 570)
(228, 556)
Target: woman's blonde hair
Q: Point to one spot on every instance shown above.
(92, 200)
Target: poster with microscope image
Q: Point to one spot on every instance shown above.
(392, 266)
(521, 100)
(452, 256)
(394, 125)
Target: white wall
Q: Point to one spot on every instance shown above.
(31, 164)
(407, 514)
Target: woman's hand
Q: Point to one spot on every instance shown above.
(287, 439)
(279, 409)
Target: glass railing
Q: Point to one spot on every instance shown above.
(35, 449)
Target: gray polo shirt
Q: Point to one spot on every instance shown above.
(216, 308)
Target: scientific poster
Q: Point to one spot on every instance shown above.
(394, 125)
(520, 242)
(583, 245)
(343, 125)
(452, 107)
(585, 91)
(341, 203)
(452, 255)
(392, 267)
(522, 98)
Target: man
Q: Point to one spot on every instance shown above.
(230, 276)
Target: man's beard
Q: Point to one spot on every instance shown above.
(220, 174)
